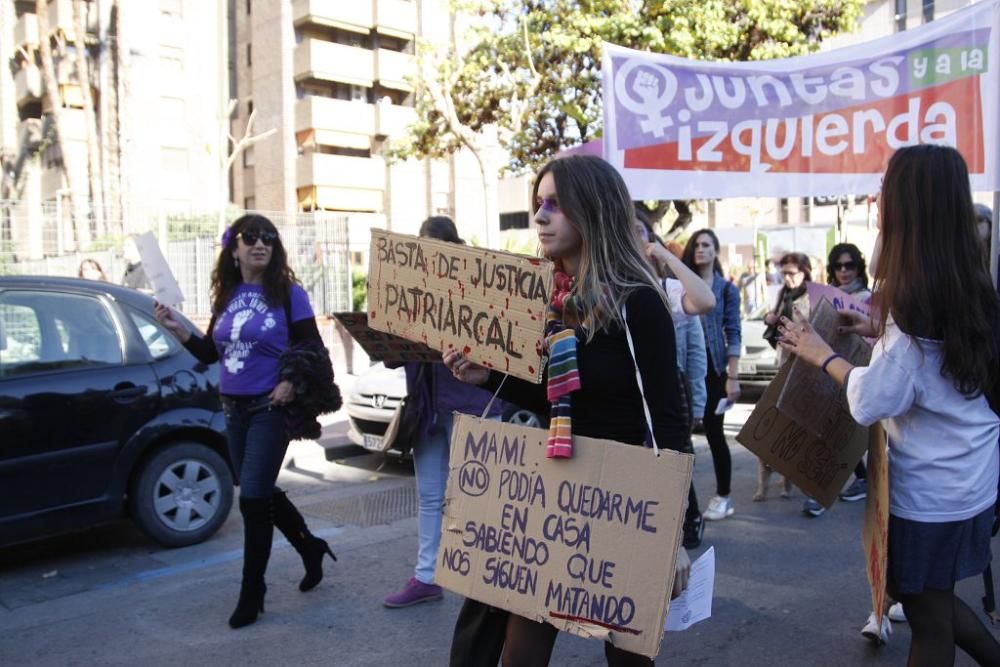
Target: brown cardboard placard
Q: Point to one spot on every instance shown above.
(818, 467)
(587, 544)
(381, 346)
(812, 398)
(875, 535)
(488, 304)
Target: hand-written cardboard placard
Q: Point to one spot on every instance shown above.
(380, 346)
(876, 530)
(818, 467)
(812, 398)
(587, 544)
(840, 299)
(490, 305)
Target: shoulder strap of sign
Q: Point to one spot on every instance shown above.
(638, 379)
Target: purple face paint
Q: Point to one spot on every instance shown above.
(549, 205)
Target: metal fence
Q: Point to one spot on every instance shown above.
(39, 240)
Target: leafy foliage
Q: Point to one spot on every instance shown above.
(532, 68)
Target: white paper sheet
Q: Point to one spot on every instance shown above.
(695, 603)
(165, 287)
(724, 406)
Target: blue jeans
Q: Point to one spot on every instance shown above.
(258, 439)
(430, 464)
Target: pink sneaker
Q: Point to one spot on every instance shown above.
(413, 593)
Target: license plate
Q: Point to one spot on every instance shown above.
(372, 441)
(748, 369)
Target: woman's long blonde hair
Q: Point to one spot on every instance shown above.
(595, 200)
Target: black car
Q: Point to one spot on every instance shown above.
(103, 413)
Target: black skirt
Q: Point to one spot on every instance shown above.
(936, 555)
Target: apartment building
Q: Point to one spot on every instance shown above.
(158, 81)
(332, 78)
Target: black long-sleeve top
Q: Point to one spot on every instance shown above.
(608, 405)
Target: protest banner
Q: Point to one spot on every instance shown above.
(161, 278)
(791, 445)
(815, 125)
(380, 346)
(490, 305)
(587, 544)
(875, 535)
(812, 398)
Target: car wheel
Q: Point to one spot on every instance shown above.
(182, 494)
(523, 418)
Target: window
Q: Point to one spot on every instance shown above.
(171, 61)
(159, 342)
(248, 156)
(47, 331)
(249, 108)
(250, 203)
(249, 57)
(249, 2)
(928, 11)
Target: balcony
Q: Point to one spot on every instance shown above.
(328, 61)
(26, 31)
(353, 16)
(392, 120)
(392, 69)
(397, 18)
(323, 113)
(27, 85)
(61, 16)
(340, 171)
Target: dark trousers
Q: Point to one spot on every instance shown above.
(715, 385)
(479, 635)
(258, 439)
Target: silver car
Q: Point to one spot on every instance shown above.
(377, 393)
(759, 361)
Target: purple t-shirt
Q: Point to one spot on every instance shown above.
(250, 335)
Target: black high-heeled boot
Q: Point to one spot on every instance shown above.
(311, 548)
(258, 531)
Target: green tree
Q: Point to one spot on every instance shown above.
(528, 72)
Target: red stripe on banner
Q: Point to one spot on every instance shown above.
(852, 140)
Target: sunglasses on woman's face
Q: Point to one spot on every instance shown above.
(844, 266)
(250, 238)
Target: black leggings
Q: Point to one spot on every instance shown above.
(716, 386)
(939, 621)
(529, 644)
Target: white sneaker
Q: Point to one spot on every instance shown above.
(896, 613)
(871, 631)
(719, 507)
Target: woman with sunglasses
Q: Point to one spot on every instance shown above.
(259, 314)
(603, 284)
(934, 382)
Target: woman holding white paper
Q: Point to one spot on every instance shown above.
(604, 287)
(934, 380)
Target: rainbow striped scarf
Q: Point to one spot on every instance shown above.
(563, 375)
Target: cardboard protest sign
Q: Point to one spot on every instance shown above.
(876, 530)
(812, 398)
(380, 346)
(838, 298)
(488, 304)
(587, 544)
(818, 467)
(161, 278)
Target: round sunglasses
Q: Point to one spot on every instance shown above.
(250, 238)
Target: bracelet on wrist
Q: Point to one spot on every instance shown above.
(829, 360)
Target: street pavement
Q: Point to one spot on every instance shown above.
(790, 590)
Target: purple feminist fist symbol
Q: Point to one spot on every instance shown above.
(647, 95)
